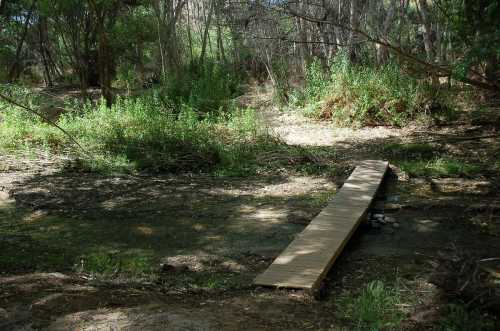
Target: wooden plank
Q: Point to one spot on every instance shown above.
(305, 262)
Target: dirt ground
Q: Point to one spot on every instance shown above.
(206, 238)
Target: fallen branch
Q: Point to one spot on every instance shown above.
(45, 118)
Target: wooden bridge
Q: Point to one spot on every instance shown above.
(306, 261)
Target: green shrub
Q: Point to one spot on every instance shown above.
(316, 82)
(151, 133)
(109, 262)
(137, 134)
(281, 77)
(206, 88)
(439, 167)
(364, 95)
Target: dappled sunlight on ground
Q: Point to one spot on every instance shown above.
(80, 250)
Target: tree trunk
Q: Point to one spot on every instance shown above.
(104, 59)
(42, 40)
(14, 71)
(425, 16)
(383, 51)
(220, 41)
(205, 35)
(353, 37)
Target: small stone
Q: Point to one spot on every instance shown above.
(389, 219)
(4, 195)
(378, 216)
(395, 225)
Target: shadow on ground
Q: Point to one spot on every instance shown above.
(182, 251)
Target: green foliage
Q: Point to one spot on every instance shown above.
(316, 83)
(206, 89)
(150, 133)
(439, 167)
(113, 262)
(473, 27)
(374, 309)
(411, 151)
(459, 318)
(136, 134)
(428, 160)
(363, 95)
(281, 76)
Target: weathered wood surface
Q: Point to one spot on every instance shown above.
(305, 262)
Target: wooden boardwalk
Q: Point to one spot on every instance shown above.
(305, 262)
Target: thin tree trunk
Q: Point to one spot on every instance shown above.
(205, 34)
(42, 27)
(14, 69)
(425, 16)
(382, 51)
(190, 38)
(353, 37)
(220, 43)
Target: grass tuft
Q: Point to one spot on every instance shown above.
(374, 309)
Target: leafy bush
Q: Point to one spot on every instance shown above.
(281, 76)
(205, 89)
(364, 95)
(136, 134)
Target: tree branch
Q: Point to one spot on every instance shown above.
(431, 68)
(43, 117)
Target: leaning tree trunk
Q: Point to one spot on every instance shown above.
(205, 35)
(428, 45)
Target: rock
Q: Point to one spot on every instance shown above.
(395, 225)
(375, 225)
(4, 195)
(392, 206)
